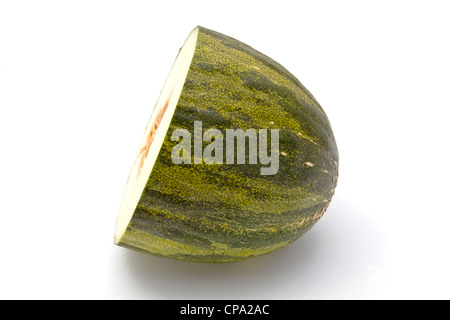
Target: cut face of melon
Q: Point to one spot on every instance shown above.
(154, 134)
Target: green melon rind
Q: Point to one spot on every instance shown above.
(224, 213)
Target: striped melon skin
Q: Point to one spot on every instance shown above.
(230, 212)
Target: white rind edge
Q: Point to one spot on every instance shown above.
(171, 90)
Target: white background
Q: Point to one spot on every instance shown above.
(79, 79)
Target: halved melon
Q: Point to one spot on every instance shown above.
(225, 212)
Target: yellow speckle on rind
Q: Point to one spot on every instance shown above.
(145, 242)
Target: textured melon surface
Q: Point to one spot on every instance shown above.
(228, 212)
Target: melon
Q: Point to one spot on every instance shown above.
(200, 190)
